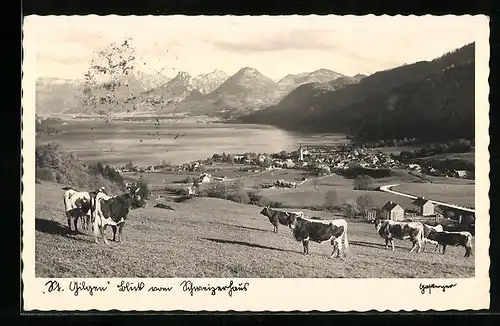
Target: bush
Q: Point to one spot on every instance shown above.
(234, 192)
(53, 164)
(44, 174)
(363, 182)
(144, 188)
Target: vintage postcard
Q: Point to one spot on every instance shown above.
(255, 163)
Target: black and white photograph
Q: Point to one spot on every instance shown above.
(257, 149)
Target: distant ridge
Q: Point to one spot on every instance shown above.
(394, 103)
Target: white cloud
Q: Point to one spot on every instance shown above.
(274, 45)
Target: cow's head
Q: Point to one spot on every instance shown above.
(297, 220)
(265, 211)
(293, 219)
(101, 189)
(378, 223)
(137, 199)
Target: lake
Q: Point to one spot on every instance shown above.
(153, 142)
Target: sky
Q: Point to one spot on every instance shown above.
(276, 46)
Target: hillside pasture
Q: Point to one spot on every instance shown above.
(449, 193)
(206, 237)
(306, 197)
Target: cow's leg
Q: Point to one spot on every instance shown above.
(414, 245)
(75, 221)
(68, 217)
(386, 243)
(335, 248)
(305, 243)
(103, 233)
(113, 227)
(437, 247)
(338, 243)
(86, 222)
(392, 244)
(444, 248)
(120, 230)
(95, 229)
(468, 251)
(275, 228)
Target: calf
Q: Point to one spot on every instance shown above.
(113, 211)
(390, 230)
(427, 231)
(321, 231)
(277, 217)
(445, 238)
(78, 205)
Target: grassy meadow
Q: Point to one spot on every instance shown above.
(207, 237)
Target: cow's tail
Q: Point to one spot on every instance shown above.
(469, 243)
(65, 201)
(346, 242)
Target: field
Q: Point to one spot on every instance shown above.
(450, 193)
(205, 237)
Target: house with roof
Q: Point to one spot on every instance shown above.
(392, 211)
(425, 206)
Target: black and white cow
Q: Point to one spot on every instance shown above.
(390, 230)
(77, 205)
(277, 217)
(445, 238)
(427, 231)
(321, 231)
(113, 211)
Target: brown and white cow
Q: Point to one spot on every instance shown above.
(390, 230)
(277, 217)
(427, 231)
(113, 211)
(77, 205)
(321, 231)
(446, 238)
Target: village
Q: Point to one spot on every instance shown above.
(316, 162)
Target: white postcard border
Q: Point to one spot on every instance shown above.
(269, 294)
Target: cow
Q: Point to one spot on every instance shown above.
(321, 231)
(113, 211)
(390, 230)
(77, 205)
(446, 238)
(427, 230)
(277, 217)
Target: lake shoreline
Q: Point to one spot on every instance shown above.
(177, 141)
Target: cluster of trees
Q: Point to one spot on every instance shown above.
(455, 146)
(364, 182)
(234, 191)
(54, 164)
(351, 208)
(356, 171)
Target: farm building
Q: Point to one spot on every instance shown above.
(425, 206)
(392, 211)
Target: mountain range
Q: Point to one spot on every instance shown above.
(427, 100)
(212, 94)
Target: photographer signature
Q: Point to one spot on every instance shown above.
(429, 287)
